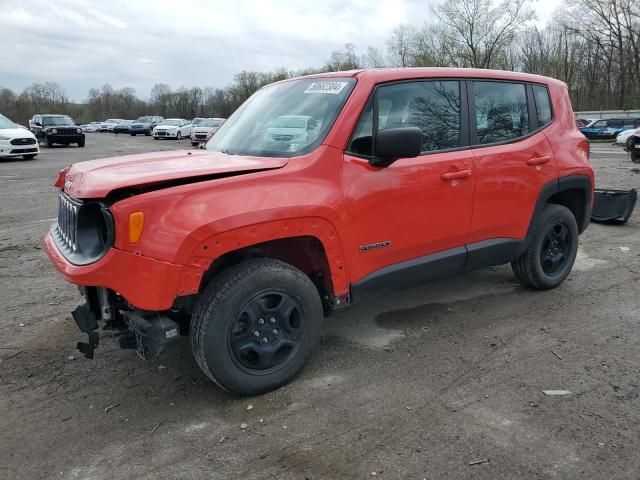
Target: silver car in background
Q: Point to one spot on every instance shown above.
(203, 128)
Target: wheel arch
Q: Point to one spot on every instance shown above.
(310, 244)
(574, 192)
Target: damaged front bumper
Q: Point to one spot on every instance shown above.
(146, 332)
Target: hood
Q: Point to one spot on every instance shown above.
(167, 127)
(98, 178)
(16, 133)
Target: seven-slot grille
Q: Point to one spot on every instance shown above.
(67, 131)
(67, 228)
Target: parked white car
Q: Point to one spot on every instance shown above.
(91, 127)
(623, 137)
(172, 128)
(107, 125)
(16, 141)
(204, 128)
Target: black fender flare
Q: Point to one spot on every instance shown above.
(581, 183)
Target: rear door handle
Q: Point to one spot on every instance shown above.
(460, 174)
(538, 160)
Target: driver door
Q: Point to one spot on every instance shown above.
(401, 215)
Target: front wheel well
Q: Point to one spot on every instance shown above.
(306, 253)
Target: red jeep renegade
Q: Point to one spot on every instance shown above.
(317, 193)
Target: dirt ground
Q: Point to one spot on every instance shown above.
(444, 381)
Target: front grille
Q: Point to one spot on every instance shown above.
(67, 228)
(23, 141)
(161, 133)
(201, 135)
(24, 150)
(84, 230)
(67, 131)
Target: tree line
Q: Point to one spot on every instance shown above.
(591, 45)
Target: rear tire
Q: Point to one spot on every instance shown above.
(256, 325)
(179, 136)
(552, 249)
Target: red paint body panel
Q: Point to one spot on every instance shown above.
(339, 199)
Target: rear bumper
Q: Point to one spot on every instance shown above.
(146, 283)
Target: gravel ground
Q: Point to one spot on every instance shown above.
(444, 381)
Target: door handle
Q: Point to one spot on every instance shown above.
(538, 160)
(460, 174)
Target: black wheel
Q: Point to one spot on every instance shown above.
(29, 157)
(179, 135)
(552, 249)
(195, 144)
(635, 155)
(156, 138)
(81, 143)
(147, 133)
(49, 142)
(132, 134)
(256, 325)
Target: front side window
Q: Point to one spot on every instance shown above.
(599, 124)
(543, 104)
(432, 106)
(501, 111)
(286, 119)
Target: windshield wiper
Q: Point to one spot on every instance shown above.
(227, 152)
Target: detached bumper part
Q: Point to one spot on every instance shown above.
(613, 206)
(87, 323)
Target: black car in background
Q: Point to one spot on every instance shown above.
(60, 129)
(144, 125)
(122, 126)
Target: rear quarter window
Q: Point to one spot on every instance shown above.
(543, 104)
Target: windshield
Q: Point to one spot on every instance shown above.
(208, 123)
(286, 119)
(144, 120)
(199, 122)
(6, 123)
(170, 123)
(62, 120)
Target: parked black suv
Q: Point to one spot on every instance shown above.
(59, 129)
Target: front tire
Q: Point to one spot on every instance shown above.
(30, 156)
(81, 143)
(179, 136)
(256, 325)
(552, 249)
(49, 142)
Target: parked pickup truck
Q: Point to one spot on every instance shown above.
(407, 176)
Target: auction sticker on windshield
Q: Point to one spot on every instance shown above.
(326, 87)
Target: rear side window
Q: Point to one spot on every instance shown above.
(432, 106)
(501, 111)
(543, 104)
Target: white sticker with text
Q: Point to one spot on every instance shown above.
(326, 87)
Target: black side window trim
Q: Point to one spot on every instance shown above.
(464, 133)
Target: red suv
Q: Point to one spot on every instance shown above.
(317, 193)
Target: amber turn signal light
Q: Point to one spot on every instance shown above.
(136, 224)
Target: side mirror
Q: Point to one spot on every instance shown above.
(394, 143)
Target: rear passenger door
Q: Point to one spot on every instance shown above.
(512, 156)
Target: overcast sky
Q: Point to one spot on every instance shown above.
(138, 43)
